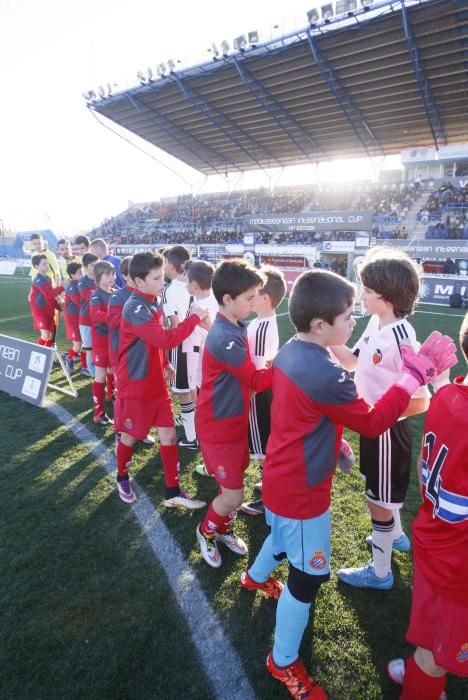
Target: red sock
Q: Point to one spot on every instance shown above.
(227, 523)
(110, 385)
(124, 458)
(170, 459)
(48, 343)
(72, 354)
(418, 685)
(40, 341)
(98, 397)
(213, 522)
(84, 364)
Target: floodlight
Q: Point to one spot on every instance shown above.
(141, 77)
(215, 50)
(225, 47)
(109, 89)
(149, 73)
(102, 92)
(92, 95)
(240, 42)
(253, 38)
(171, 65)
(161, 69)
(313, 17)
(327, 11)
(86, 96)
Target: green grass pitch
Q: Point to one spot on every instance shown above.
(87, 611)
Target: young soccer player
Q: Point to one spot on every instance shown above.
(86, 285)
(43, 300)
(143, 398)
(313, 397)
(439, 614)
(262, 334)
(104, 275)
(176, 302)
(390, 282)
(199, 278)
(228, 377)
(72, 315)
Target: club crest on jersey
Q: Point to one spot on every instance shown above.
(128, 423)
(318, 561)
(221, 471)
(377, 357)
(462, 655)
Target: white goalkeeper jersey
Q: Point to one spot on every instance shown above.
(379, 358)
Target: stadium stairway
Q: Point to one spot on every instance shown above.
(415, 229)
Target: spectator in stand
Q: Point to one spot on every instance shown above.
(449, 267)
(99, 247)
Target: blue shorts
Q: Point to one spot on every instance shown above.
(85, 332)
(306, 543)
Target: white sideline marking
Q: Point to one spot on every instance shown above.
(219, 659)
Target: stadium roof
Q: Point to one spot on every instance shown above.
(392, 77)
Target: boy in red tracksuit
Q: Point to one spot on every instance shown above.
(228, 378)
(86, 285)
(104, 275)
(143, 398)
(43, 300)
(72, 315)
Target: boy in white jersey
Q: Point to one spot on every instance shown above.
(262, 334)
(176, 302)
(199, 276)
(390, 282)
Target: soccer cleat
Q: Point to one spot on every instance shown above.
(209, 549)
(125, 491)
(103, 419)
(148, 440)
(202, 470)
(364, 577)
(258, 486)
(296, 679)
(396, 671)
(402, 544)
(188, 444)
(271, 587)
(85, 372)
(184, 500)
(232, 542)
(253, 508)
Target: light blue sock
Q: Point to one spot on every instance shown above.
(264, 563)
(292, 617)
(92, 369)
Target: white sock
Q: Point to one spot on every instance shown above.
(187, 413)
(397, 530)
(382, 542)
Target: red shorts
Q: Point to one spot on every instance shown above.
(44, 323)
(227, 462)
(100, 357)
(439, 625)
(136, 417)
(73, 330)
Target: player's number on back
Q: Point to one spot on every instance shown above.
(434, 480)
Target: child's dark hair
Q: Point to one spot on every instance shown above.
(177, 255)
(275, 285)
(464, 337)
(142, 263)
(200, 272)
(82, 240)
(88, 258)
(125, 265)
(36, 237)
(392, 274)
(319, 294)
(101, 268)
(36, 259)
(234, 277)
(61, 241)
(72, 268)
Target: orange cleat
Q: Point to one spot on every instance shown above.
(272, 588)
(296, 679)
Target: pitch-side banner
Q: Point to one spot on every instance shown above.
(437, 289)
(311, 221)
(24, 369)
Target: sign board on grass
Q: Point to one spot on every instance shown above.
(24, 369)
